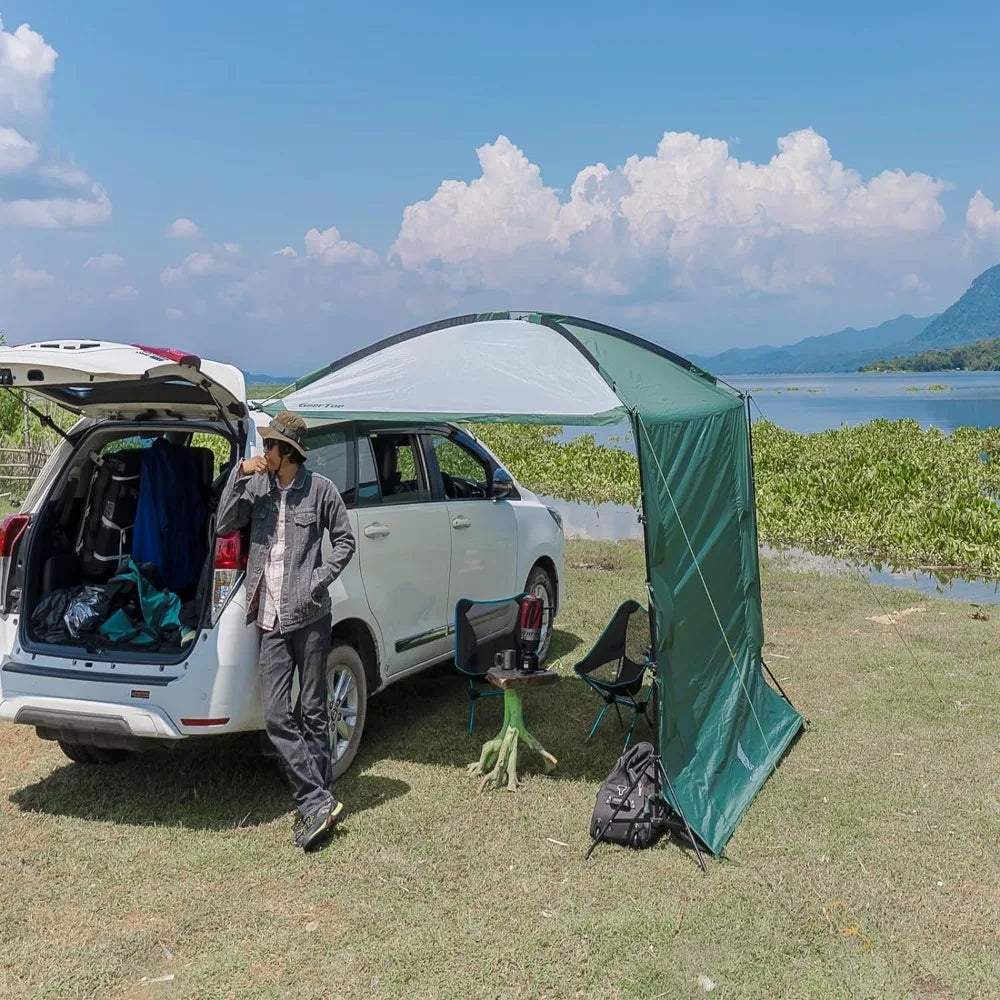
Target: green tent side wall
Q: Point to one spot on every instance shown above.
(722, 727)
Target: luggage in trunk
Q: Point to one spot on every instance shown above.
(105, 538)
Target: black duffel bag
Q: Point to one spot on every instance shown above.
(629, 808)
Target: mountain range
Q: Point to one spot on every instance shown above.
(975, 316)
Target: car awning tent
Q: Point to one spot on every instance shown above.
(722, 727)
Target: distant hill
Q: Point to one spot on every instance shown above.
(844, 350)
(251, 379)
(975, 316)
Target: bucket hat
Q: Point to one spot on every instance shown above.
(289, 428)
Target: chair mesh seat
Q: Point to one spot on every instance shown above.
(616, 666)
(483, 629)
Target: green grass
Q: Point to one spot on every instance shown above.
(867, 867)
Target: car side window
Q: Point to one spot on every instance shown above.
(465, 474)
(368, 491)
(330, 456)
(391, 470)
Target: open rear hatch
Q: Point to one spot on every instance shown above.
(106, 380)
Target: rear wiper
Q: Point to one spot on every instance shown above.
(44, 419)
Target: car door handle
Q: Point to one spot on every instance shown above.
(376, 530)
(461, 522)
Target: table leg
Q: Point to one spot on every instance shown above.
(497, 763)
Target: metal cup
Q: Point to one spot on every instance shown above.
(505, 659)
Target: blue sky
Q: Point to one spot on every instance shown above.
(261, 124)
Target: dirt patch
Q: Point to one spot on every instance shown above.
(602, 565)
(893, 616)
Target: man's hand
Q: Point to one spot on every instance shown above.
(250, 466)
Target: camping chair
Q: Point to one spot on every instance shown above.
(615, 668)
(482, 629)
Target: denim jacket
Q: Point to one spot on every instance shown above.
(312, 506)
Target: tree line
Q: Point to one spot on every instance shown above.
(982, 356)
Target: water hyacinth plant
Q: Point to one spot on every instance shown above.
(886, 491)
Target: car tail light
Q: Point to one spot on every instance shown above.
(11, 529)
(228, 565)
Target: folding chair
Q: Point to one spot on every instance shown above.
(482, 629)
(615, 668)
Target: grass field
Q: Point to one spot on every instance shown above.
(867, 868)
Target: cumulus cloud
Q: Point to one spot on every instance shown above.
(124, 294)
(687, 215)
(328, 246)
(63, 195)
(285, 252)
(913, 283)
(16, 152)
(982, 220)
(182, 229)
(224, 260)
(27, 63)
(28, 277)
(104, 262)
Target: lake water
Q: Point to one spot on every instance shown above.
(809, 403)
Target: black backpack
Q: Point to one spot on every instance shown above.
(641, 818)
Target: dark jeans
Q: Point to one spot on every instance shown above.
(300, 734)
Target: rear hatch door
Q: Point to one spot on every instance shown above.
(105, 380)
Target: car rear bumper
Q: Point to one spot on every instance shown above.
(90, 722)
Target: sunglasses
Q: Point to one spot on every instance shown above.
(269, 443)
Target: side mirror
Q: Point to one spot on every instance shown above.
(502, 485)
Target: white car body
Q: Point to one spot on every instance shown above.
(418, 553)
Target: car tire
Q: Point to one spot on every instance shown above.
(540, 584)
(347, 703)
(83, 753)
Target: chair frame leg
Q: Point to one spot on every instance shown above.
(597, 721)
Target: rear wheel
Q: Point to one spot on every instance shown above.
(83, 753)
(347, 704)
(540, 584)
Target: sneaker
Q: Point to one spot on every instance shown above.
(298, 825)
(317, 826)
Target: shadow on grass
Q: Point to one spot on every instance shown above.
(209, 787)
(424, 719)
(223, 783)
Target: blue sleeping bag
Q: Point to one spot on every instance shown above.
(170, 517)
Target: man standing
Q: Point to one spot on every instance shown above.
(289, 509)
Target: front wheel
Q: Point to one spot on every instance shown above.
(540, 584)
(347, 705)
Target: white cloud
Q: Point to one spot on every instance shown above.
(104, 262)
(16, 153)
(29, 277)
(982, 220)
(689, 217)
(174, 313)
(58, 212)
(222, 261)
(285, 252)
(27, 63)
(912, 283)
(328, 246)
(66, 196)
(182, 229)
(124, 294)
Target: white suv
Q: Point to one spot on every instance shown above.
(436, 517)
